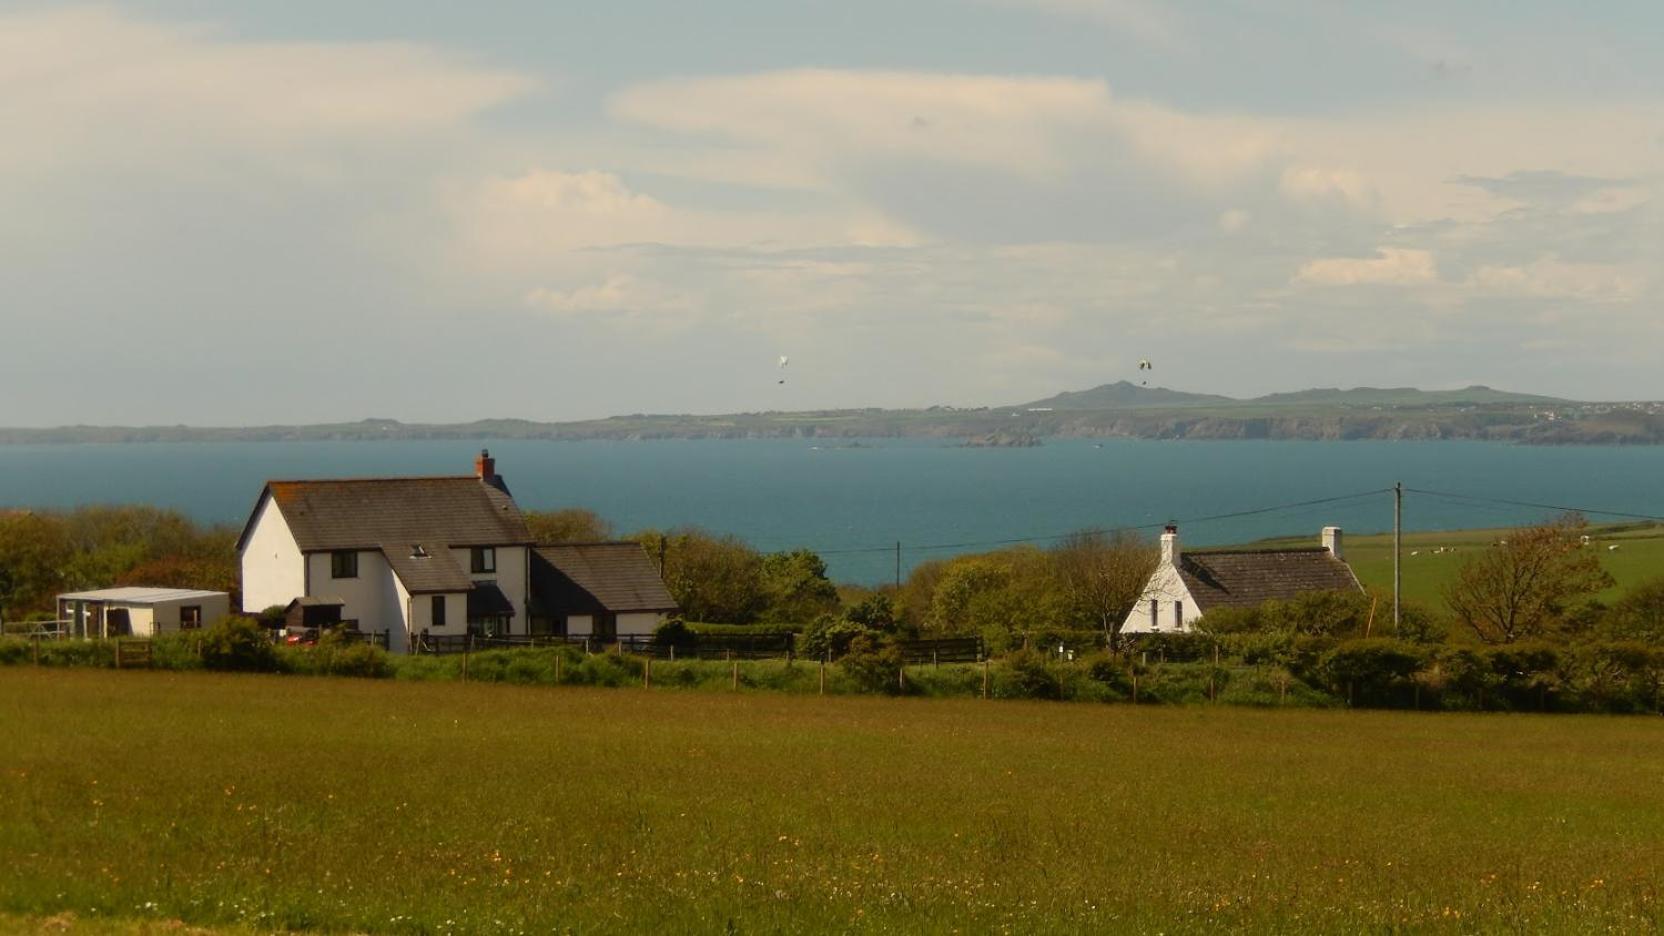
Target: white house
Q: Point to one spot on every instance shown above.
(1186, 585)
(439, 555)
(140, 611)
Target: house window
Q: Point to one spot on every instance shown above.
(343, 564)
(1155, 614)
(1178, 615)
(190, 617)
(484, 559)
(438, 611)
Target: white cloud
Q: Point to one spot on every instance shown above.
(1549, 277)
(1151, 23)
(89, 85)
(827, 118)
(1391, 266)
(1313, 184)
(620, 297)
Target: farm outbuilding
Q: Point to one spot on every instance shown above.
(140, 612)
(602, 590)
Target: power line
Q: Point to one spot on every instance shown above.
(1448, 495)
(1020, 540)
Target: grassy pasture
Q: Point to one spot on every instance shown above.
(1638, 558)
(384, 806)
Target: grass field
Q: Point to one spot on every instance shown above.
(381, 806)
(1427, 571)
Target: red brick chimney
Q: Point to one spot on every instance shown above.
(485, 467)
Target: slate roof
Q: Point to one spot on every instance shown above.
(317, 601)
(369, 513)
(1244, 579)
(486, 600)
(590, 578)
(431, 572)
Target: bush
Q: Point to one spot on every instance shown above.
(873, 664)
(1376, 671)
(1030, 677)
(239, 644)
(674, 633)
(832, 636)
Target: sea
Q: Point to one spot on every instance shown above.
(854, 501)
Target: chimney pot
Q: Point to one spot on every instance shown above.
(1332, 541)
(1170, 545)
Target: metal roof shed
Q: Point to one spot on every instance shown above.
(137, 611)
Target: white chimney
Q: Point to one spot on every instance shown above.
(1332, 542)
(1170, 546)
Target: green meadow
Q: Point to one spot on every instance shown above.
(1427, 570)
(138, 802)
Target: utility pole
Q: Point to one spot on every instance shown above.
(898, 565)
(1397, 551)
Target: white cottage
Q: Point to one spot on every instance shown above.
(1186, 585)
(445, 556)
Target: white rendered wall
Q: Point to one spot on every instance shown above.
(371, 599)
(1166, 588)
(273, 572)
(642, 622)
(512, 577)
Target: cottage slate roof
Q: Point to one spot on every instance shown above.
(590, 578)
(486, 600)
(369, 513)
(427, 568)
(1247, 578)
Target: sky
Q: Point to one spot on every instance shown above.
(221, 213)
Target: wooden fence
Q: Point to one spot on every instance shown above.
(942, 650)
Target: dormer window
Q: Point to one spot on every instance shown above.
(417, 552)
(484, 559)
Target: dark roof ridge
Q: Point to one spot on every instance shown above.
(375, 478)
(1227, 551)
(623, 542)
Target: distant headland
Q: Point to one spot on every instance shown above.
(1115, 410)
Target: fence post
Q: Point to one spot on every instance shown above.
(901, 677)
(558, 655)
(467, 648)
(1213, 677)
(985, 677)
(1135, 687)
(736, 665)
(823, 677)
(647, 673)
(118, 653)
(672, 653)
(586, 646)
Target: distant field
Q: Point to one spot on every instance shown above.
(1427, 571)
(357, 805)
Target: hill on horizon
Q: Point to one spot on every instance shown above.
(1124, 394)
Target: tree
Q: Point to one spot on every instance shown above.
(713, 578)
(1526, 586)
(5, 595)
(796, 587)
(1639, 615)
(1104, 575)
(573, 525)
